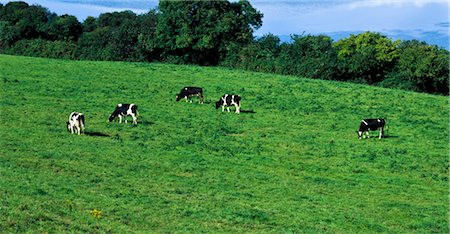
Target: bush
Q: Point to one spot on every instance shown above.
(43, 48)
(368, 56)
(420, 67)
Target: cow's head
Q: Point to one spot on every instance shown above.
(178, 97)
(112, 117)
(218, 104)
(359, 134)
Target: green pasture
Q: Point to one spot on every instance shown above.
(291, 163)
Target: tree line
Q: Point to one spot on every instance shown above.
(220, 33)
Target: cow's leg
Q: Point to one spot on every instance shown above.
(134, 119)
(238, 108)
(228, 108)
(223, 108)
(71, 128)
(381, 132)
(78, 129)
(201, 99)
(120, 119)
(368, 134)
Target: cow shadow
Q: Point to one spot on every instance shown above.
(145, 122)
(96, 134)
(248, 112)
(390, 136)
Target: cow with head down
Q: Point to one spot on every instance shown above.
(123, 110)
(188, 92)
(367, 125)
(228, 100)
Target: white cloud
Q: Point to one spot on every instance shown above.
(396, 3)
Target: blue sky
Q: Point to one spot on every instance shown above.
(425, 20)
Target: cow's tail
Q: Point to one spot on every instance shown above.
(135, 110)
(238, 102)
(202, 96)
(82, 122)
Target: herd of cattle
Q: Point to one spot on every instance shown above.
(76, 120)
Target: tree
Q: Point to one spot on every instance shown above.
(308, 56)
(260, 55)
(92, 45)
(118, 36)
(367, 56)
(89, 24)
(146, 35)
(13, 11)
(21, 21)
(65, 27)
(421, 67)
(202, 31)
(115, 19)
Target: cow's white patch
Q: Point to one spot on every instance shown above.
(365, 122)
(130, 110)
(75, 123)
(132, 114)
(360, 134)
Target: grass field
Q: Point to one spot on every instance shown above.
(294, 165)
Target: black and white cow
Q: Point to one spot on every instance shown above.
(123, 110)
(227, 100)
(75, 123)
(188, 92)
(371, 125)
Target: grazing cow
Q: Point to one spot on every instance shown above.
(75, 123)
(123, 110)
(188, 92)
(372, 125)
(227, 100)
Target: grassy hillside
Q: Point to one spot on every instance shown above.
(295, 165)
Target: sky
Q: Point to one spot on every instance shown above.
(424, 20)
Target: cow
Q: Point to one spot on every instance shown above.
(227, 100)
(188, 92)
(371, 125)
(75, 123)
(123, 110)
